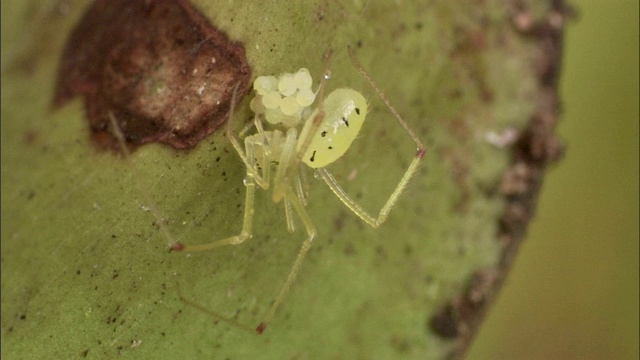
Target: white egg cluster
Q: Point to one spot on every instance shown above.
(283, 100)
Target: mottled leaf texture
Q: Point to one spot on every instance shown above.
(86, 271)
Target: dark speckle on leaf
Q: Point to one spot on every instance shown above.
(444, 323)
(164, 72)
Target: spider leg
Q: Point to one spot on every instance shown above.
(247, 222)
(421, 148)
(249, 161)
(356, 208)
(301, 191)
(304, 141)
(117, 132)
(302, 185)
(286, 161)
(258, 124)
(213, 314)
(291, 200)
(265, 152)
(295, 268)
(288, 211)
(254, 149)
(243, 133)
(406, 178)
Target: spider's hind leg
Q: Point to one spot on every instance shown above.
(295, 268)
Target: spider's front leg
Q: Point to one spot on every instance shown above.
(255, 149)
(248, 159)
(247, 223)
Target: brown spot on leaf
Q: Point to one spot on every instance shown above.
(444, 323)
(160, 67)
(456, 318)
(30, 137)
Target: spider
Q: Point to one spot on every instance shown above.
(326, 134)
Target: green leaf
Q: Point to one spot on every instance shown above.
(87, 273)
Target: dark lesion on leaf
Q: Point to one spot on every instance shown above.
(165, 73)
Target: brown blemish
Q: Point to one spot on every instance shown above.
(469, 46)
(160, 67)
(338, 221)
(455, 319)
(30, 137)
(349, 249)
(459, 128)
(444, 323)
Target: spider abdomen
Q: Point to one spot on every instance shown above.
(345, 111)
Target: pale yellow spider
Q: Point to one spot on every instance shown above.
(326, 135)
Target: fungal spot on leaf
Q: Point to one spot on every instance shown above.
(164, 72)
